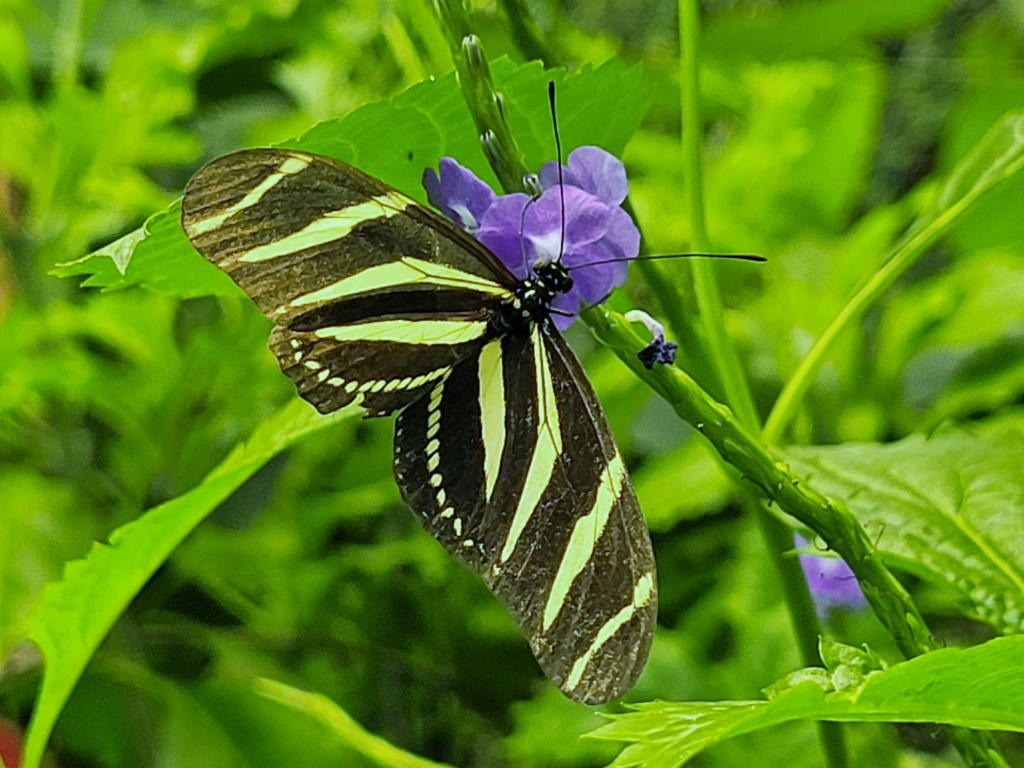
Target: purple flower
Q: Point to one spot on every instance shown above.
(659, 351)
(831, 582)
(520, 232)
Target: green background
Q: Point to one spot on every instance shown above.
(830, 128)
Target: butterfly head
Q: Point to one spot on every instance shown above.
(531, 300)
(554, 278)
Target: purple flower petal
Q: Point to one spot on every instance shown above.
(831, 582)
(593, 170)
(593, 282)
(501, 230)
(658, 352)
(585, 221)
(623, 235)
(458, 194)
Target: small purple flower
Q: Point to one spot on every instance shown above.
(659, 351)
(831, 582)
(593, 237)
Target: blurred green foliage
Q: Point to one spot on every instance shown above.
(829, 127)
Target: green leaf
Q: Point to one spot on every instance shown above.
(946, 508)
(77, 612)
(970, 688)
(395, 140)
(342, 727)
(15, 77)
(998, 156)
(157, 256)
(39, 533)
(805, 185)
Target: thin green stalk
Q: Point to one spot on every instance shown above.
(67, 44)
(676, 307)
(485, 104)
(722, 354)
(773, 477)
(423, 19)
(403, 49)
(709, 299)
(342, 726)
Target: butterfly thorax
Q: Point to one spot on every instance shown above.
(531, 300)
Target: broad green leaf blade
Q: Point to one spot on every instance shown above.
(342, 726)
(969, 688)
(157, 256)
(77, 612)
(396, 140)
(946, 507)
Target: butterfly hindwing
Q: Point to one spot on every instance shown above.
(373, 295)
(511, 466)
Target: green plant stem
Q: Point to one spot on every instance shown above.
(726, 365)
(772, 476)
(830, 519)
(67, 44)
(709, 300)
(677, 307)
(485, 104)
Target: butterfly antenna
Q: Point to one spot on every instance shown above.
(657, 256)
(558, 157)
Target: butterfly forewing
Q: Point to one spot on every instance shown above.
(374, 297)
(501, 447)
(511, 466)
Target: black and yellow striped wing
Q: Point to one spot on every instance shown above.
(501, 447)
(373, 296)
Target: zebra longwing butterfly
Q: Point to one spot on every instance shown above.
(501, 447)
